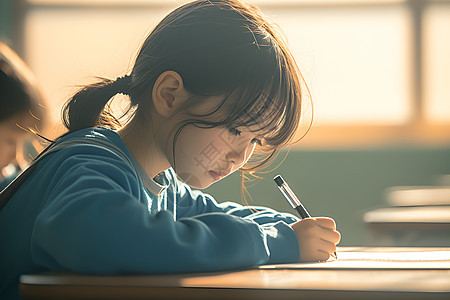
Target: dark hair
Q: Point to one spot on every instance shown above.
(218, 47)
(19, 93)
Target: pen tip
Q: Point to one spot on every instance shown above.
(278, 180)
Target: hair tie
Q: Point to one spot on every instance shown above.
(123, 84)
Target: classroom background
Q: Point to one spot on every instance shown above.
(378, 73)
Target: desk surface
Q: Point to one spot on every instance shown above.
(418, 195)
(421, 215)
(256, 283)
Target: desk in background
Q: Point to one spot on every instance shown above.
(268, 282)
(417, 216)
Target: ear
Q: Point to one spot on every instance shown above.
(168, 93)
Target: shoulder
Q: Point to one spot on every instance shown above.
(94, 141)
(92, 148)
(92, 137)
(89, 158)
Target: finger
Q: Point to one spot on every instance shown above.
(322, 255)
(326, 222)
(331, 236)
(308, 222)
(326, 246)
(314, 255)
(321, 252)
(328, 234)
(338, 239)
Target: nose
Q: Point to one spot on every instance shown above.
(241, 156)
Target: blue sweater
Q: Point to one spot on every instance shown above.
(91, 209)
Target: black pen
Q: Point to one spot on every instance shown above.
(292, 199)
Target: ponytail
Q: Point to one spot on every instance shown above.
(87, 107)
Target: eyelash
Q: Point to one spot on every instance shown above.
(234, 131)
(237, 132)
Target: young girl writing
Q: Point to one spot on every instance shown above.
(212, 83)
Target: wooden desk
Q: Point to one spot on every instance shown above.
(418, 195)
(418, 216)
(409, 226)
(252, 284)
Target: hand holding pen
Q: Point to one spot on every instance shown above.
(317, 237)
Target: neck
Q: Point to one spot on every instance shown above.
(143, 145)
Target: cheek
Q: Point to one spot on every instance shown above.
(194, 150)
(248, 154)
(250, 151)
(190, 144)
(199, 151)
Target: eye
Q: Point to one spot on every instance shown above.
(257, 142)
(234, 131)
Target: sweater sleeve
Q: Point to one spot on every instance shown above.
(93, 222)
(281, 240)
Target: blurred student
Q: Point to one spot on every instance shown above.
(21, 107)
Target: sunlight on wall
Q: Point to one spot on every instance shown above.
(66, 48)
(356, 60)
(437, 63)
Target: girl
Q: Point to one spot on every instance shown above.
(211, 83)
(20, 106)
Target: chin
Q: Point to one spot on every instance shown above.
(193, 181)
(200, 187)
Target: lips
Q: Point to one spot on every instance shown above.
(217, 175)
